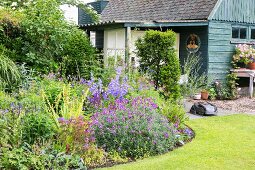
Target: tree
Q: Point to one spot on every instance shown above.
(44, 40)
(158, 58)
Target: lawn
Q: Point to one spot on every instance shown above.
(221, 143)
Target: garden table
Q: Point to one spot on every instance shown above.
(246, 73)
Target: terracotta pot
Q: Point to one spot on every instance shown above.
(251, 66)
(204, 95)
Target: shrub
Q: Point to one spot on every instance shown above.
(6, 100)
(80, 55)
(55, 160)
(77, 137)
(9, 72)
(64, 100)
(196, 79)
(37, 34)
(37, 157)
(133, 128)
(118, 88)
(10, 125)
(37, 127)
(174, 112)
(158, 58)
(226, 90)
(18, 158)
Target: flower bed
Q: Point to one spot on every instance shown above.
(84, 124)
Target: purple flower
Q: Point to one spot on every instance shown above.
(166, 135)
(61, 120)
(188, 132)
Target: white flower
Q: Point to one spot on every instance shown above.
(14, 4)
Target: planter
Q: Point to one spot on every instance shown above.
(204, 95)
(251, 66)
(197, 96)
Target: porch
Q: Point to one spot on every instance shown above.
(117, 39)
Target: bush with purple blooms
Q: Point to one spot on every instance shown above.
(133, 128)
(118, 88)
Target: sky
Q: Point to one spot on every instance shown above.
(71, 13)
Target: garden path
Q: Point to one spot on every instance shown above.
(225, 107)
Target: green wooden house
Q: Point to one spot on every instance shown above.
(208, 28)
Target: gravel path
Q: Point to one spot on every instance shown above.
(241, 105)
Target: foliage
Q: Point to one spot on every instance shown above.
(75, 134)
(226, 90)
(77, 137)
(109, 71)
(28, 77)
(244, 54)
(118, 88)
(158, 58)
(6, 100)
(196, 80)
(18, 158)
(37, 127)
(174, 112)
(133, 128)
(232, 85)
(210, 134)
(10, 126)
(64, 100)
(38, 157)
(38, 35)
(9, 73)
(22, 4)
(55, 160)
(80, 56)
(212, 93)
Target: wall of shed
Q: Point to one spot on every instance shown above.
(235, 11)
(203, 51)
(220, 49)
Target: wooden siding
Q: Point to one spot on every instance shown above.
(235, 11)
(220, 49)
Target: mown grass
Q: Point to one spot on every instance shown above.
(221, 143)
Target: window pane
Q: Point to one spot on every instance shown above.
(252, 33)
(243, 33)
(235, 32)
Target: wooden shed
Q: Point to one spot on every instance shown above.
(208, 28)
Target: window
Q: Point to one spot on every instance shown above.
(243, 33)
(239, 33)
(235, 32)
(253, 33)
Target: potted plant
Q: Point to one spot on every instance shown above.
(212, 93)
(197, 96)
(204, 94)
(245, 54)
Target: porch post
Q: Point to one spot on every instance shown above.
(127, 47)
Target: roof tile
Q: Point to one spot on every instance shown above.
(157, 10)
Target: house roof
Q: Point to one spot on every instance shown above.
(157, 10)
